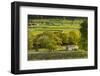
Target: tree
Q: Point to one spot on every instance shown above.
(30, 39)
(84, 34)
(74, 37)
(47, 40)
(54, 35)
(64, 38)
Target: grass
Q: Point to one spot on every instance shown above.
(57, 55)
(45, 28)
(66, 29)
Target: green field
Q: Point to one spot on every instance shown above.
(66, 29)
(57, 55)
